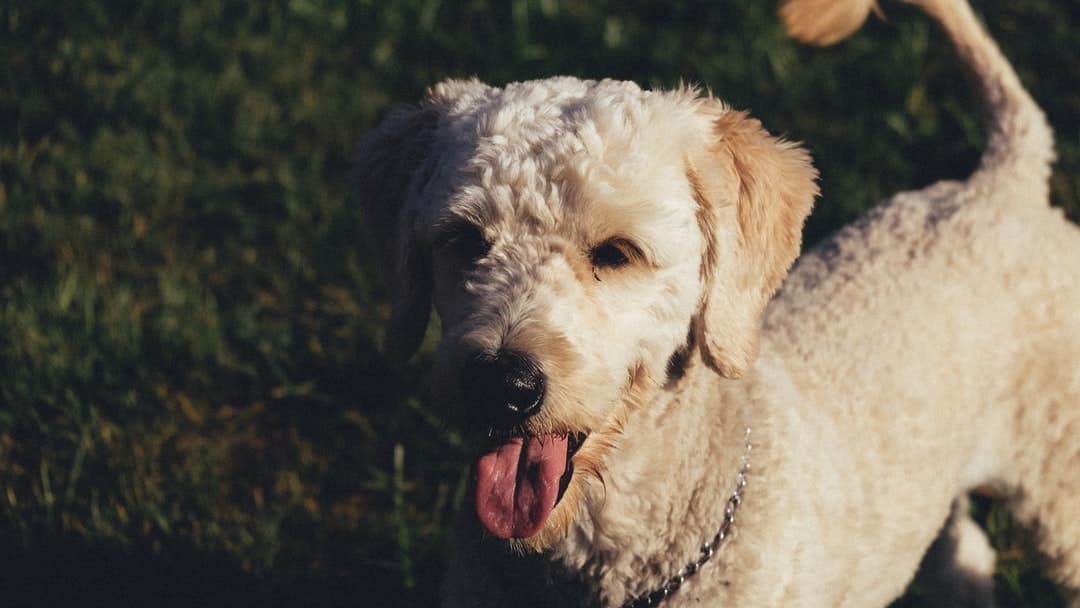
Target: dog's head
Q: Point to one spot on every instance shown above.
(575, 238)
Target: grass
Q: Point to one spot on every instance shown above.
(192, 402)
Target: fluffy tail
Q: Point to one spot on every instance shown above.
(1020, 140)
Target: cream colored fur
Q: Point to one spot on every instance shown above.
(929, 348)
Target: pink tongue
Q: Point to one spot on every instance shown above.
(517, 484)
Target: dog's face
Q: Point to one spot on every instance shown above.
(576, 238)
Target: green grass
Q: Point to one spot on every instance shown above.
(192, 401)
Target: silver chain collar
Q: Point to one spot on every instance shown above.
(671, 585)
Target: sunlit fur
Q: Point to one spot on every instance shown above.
(929, 348)
(824, 22)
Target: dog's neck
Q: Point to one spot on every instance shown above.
(656, 507)
(699, 416)
(675, 582)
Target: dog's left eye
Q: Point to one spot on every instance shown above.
(465, 240)
(614, 253)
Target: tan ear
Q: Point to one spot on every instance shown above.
(383, 178)
(754, 192)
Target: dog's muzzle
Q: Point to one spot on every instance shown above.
(519, 476)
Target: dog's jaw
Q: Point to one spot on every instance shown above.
(585, 490)
(586, 467)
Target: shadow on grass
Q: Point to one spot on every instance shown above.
(69, 572)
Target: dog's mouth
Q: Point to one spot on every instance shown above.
(521, 478)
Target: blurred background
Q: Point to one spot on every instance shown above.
(193, 406)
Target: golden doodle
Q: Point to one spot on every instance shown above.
(654, 422)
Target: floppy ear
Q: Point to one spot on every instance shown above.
(383, 178)
(753, 192)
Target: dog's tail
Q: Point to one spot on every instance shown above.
(1020, 141)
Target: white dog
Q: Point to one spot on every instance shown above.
(649, 426)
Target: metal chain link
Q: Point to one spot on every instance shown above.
(671, 585)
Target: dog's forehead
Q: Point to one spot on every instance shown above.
(564, 152)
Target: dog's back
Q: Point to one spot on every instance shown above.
(987, 247)
(986, 257)
(975, 285)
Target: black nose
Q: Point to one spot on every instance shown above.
(502, 388)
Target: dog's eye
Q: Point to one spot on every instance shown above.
(465, 240)
(614, 253)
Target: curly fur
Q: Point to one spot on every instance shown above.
(929, 348)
